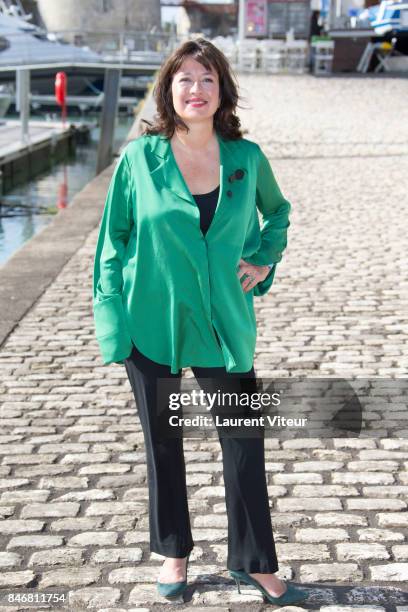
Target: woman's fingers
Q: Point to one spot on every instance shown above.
(248, 284)
(254, 274)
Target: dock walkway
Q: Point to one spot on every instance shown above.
(72, 470)
(23, 158)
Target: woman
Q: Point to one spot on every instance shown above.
(180, 256)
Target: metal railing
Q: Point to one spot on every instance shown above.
(14, 8)
(125, 45)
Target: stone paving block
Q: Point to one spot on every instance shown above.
(69, 576)
(136, 494)
(290, 519)
(393, 491)
(61, 556)
(6, 511)
(225, 595)
(134, 575)
(324, 491)
(64, 482)
(94, 538)
(352, 609)
(194, 480)
(209, 492)
(13, 482)
(351, 551)
(392, 519)
(299, 478)
(317, 466)
(93, 597)
(375, 504)
(10, 559)
(379, 535)
(333, 519)
(302, 552)
(24, 578)
(397, 572)
(85, 458)
(354, 443)
(373, 466)
(195, 555)
(144, 594)
(125, 480)
(400, 552)
(135, 537)
(211, 609)
(321, 572)
(220, 551)
(78, 523)
(116, 555)
(18, 449)
(378, 455)
(120, 609)
(24, 496)
(39, 468)
(308, 443)
(124, 523)
(50, 509)
(28, 541)
(218, 507)
(110, 508)
(211, 535)
(363, 478)
(117, 468)
(219, 520)
(394, 444)
(310, 503)
(321, 535)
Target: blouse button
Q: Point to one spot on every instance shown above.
(229, 193)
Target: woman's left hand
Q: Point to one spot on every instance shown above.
(255, 274)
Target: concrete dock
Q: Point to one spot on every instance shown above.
(22, 159)
(73, 493)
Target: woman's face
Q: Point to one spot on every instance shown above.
(196, 91)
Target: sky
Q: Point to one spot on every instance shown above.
(169, 13)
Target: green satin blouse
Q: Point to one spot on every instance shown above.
(159, 283)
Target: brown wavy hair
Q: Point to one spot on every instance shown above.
(165, 121)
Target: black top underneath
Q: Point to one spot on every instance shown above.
(207, 203)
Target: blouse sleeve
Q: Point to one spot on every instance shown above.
(109, 318)
(275, 209)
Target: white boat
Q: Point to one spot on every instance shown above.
(26, 44)
(391, 17)
(22, 43)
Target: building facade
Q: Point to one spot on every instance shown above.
(100, 15)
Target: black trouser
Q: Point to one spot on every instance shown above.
(251, 545)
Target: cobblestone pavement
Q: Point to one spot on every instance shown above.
(72, 473)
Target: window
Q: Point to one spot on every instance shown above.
(391, 14)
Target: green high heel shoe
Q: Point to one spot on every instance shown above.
(290, 596)
(173, 589)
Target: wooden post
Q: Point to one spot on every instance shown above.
(241, 20)
(111, 92)
(23, 100)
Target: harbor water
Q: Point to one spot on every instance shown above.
(28, 207)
